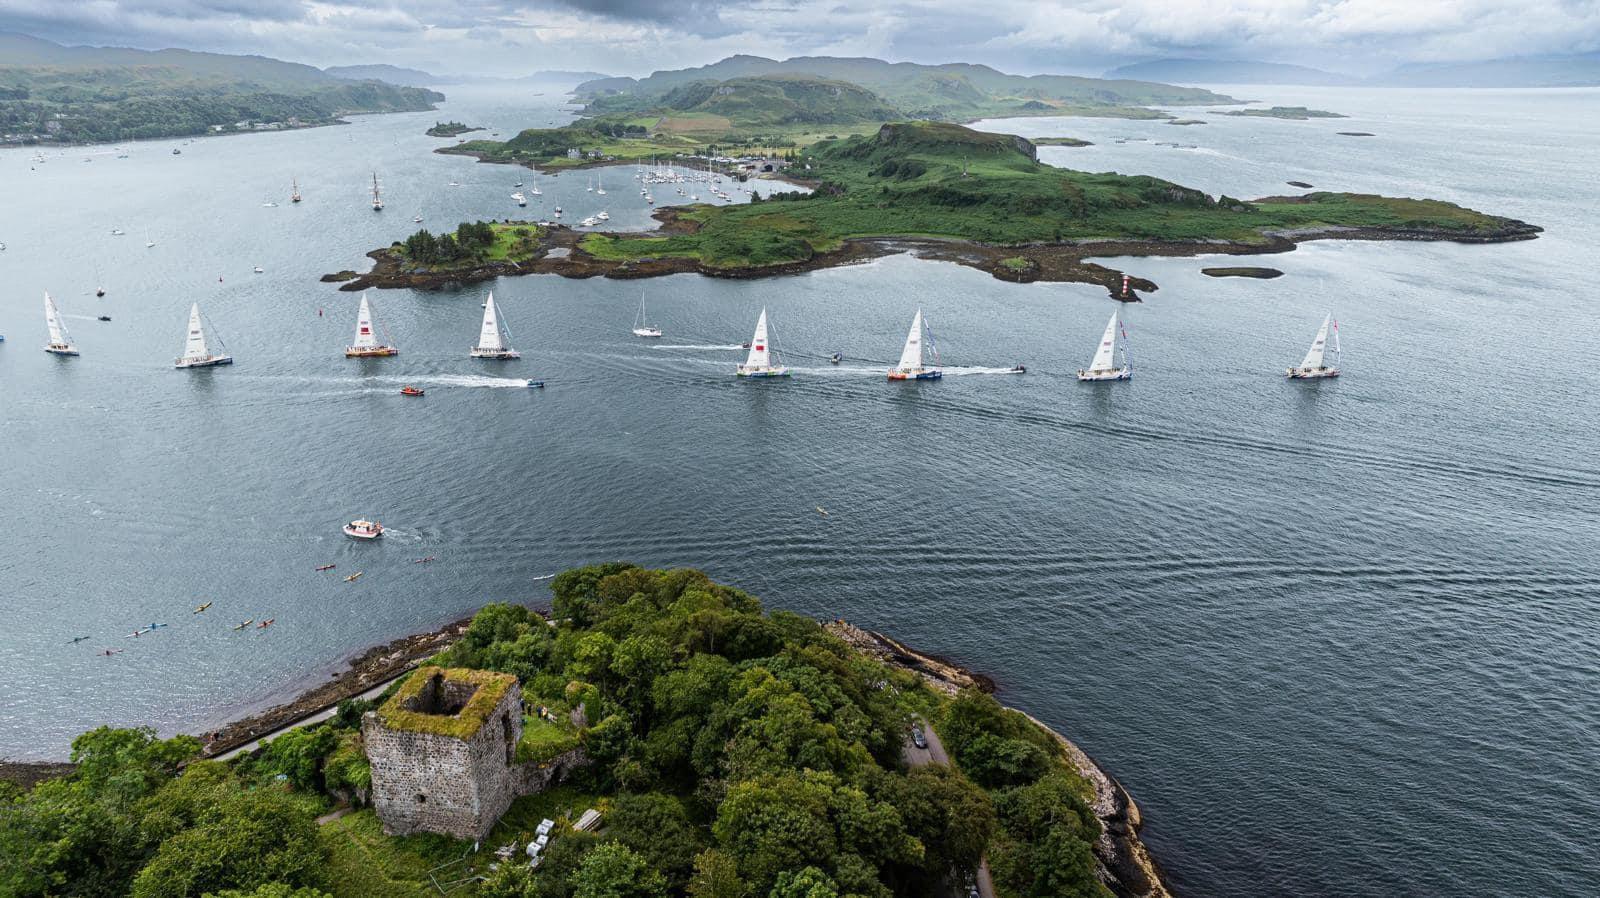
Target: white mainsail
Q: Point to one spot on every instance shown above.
(366, 335)
(1105, 356)
(195, 346)
(911, 355)
(52, 320)
(760, 355)
(490, 340)
(1313, 359)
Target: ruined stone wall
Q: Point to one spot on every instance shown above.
(537, 777)
(422, 782)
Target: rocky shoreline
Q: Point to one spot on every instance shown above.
(560, 252)
(1125, 864)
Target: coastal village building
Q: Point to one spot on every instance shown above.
(443, 753)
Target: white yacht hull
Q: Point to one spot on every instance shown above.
(1312, 373)
(647, 332)
(61, 350)
(762, 372)
(1105, 375)
(495, 354)
(211, 362)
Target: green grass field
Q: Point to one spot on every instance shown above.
(365, 863)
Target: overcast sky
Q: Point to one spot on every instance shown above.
(633, 37)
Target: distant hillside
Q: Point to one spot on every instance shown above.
(1547, 71)
(49, 92)
(386, 73)
(1229, 71)
(782, 100)
(950, 91)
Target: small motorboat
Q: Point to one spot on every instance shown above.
(411, 391)
(360, 529)
(535, 384)
(98, 291)
(1019, 369)
(836, 358)
(259, 269)
(104, 318)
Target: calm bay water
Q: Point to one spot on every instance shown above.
(1337, 639)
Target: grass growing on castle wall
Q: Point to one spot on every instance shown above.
(543, 740)
(491, 688)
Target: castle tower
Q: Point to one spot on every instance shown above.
(443, 752)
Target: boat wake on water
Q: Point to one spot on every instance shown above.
(458, 380)
(721, 347)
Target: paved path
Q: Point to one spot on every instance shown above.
(318, 717)
(935, 754)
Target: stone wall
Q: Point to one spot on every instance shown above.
(424, 782)
(536, 777)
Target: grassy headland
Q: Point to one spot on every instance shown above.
(733, 753)
(977, 198)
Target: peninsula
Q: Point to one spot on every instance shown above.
(1289, 113)
(669, 738)
(943, 191)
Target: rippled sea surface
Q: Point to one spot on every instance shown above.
(1336, 638)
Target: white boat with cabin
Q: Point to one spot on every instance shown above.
(493, 342)
(197, 351)
(363, 529)
(60, 341)
(763, 357)
(1314, 365)
(911, 365)
(1105, 366)
(367, 344)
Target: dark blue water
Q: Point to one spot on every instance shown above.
(1336, 638)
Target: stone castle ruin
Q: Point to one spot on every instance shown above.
(443, 753)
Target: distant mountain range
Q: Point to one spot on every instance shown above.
(418, 78)
(1229, 71)
(952, 91)
(1538, 71)
(49, 92)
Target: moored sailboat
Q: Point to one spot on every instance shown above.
(492, 342)
(1314, 365)
(641, 323)
(367, 344)
(760, 362)
(377, 198)
(294, 190)
(197, 351)
(911, 365)
(1104, 366)
(60, 341)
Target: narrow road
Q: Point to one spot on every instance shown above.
(935, 754)
(318, 717)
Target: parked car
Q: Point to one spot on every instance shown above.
(917, 738)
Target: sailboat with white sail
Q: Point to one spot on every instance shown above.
(641, 322)
(60, 341)
(367, 344)
(197, 350)
(377, 198)
(763, 357)
(911, 365)
(1105, 365)
(493, 340)
(294, 190)
(1315, 365)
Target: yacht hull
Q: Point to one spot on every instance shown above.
(1097, 376)
(1312, 373)
(354, 353)
(203, 363)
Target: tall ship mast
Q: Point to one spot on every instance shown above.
(377, 198)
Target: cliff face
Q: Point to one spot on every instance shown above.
(1125, 864)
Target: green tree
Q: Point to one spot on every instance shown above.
(271, 890)
(613, 870)
(716, 875)
(247, 839)
(297, 755)
(807, 883)
(656, 826)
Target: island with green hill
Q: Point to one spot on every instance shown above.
(1060, 142)
(946, 191)
(450, 129)
(666, 737)
(1288, 113)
